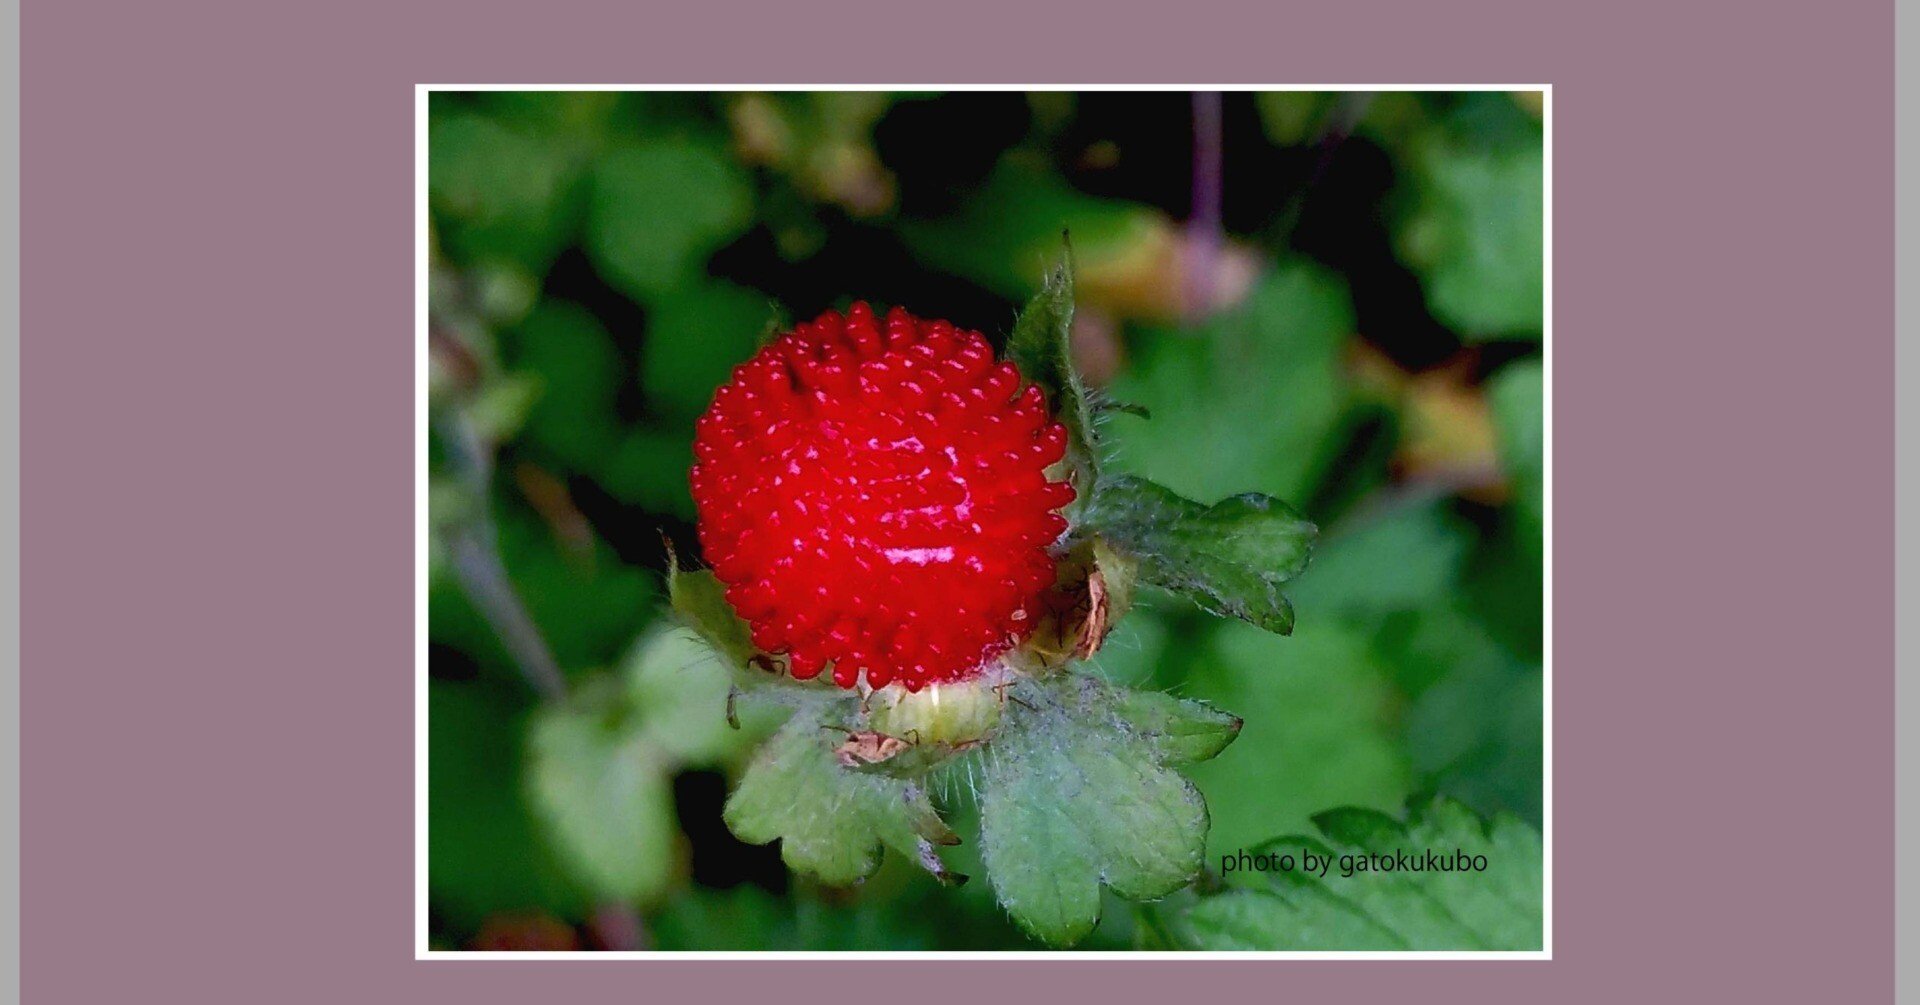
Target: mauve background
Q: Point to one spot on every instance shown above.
(217, 749)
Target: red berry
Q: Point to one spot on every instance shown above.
(874, 495)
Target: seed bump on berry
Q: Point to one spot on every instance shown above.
(874, 494)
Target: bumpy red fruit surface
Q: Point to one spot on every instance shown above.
(873, 492)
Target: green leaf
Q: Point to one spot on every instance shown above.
(1181, 730)
(696, 335)
(1475, 235)
(1254, 399)
(499, 193)
(747, 918)
(1496, 906)
(1230, 558)
(679, 688)
(602, 761)
(660, 208)
(1508, 576)
(1477, 736)
(1293, 118)
(700, 600)
(1008, 232)
(486, 853)
(500, 405)
(1319, 731)
(648, 468)
(1473, 727)
(1074, 798)
(831, 822)
(605, 793)
(577, 366)
(1516, 395)
(1392, 559)
(574, 120)
(1040, 345)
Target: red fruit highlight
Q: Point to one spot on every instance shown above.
(874, 495)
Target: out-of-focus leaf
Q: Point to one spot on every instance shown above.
(588, 606)
(602, 761)
(1291, 118)
(822, 140)
(1494, 907)
(498, 193)
(1475, 234)
(1127, 256)
(467, 300)
(485, 852)
(1423, 646)
(1403, 558)
(1476, 736)
(1505, 585)
(1073, 798)
(1473, 729)
(747, 918)
(576, 121)
(1391, 117)
(660, 208)
(678, 687)
(1519, 415)
(1507, 578)
(450, 504)
(1231, 557)
(742, 918)
(501, 406)
(648, 468)
(1318, 730)
(832, 822)
(577, 367)
(605, 792)
(1040, 346)
(696, 335)
(1250, 401)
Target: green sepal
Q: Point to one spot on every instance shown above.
(832, 822)
(1075, 797)
(1182, 730)
(1041, 346)
(1230, 558)
(699, 601)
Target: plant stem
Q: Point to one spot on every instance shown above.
(1204, 234)
(483, 575)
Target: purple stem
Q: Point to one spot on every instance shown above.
(1204, 234)
(483, 575)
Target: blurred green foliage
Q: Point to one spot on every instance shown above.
(1369, 350)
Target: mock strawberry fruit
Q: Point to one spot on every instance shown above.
(874, 495)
